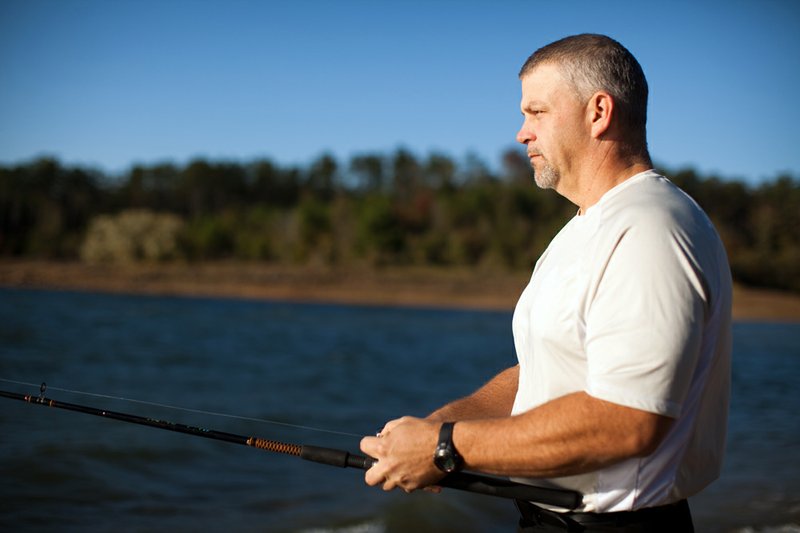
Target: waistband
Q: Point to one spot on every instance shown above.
(661, 518)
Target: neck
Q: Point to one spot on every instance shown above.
(600, 175)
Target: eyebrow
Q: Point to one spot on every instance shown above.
(529, 106)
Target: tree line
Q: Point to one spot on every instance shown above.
(375, 209)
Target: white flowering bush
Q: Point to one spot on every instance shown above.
(131, 236)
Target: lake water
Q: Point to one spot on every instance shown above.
(346, 369)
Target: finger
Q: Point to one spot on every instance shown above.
(373, 477)
(369, 446)
(389, 485)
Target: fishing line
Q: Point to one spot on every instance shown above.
(480, 484)
(189, 410)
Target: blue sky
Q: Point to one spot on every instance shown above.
(111, 83)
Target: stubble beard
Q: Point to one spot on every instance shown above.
(547, 177)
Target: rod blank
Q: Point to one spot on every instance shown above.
(480, 484)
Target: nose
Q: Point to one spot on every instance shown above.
(525, 134)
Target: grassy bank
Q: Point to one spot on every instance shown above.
(451, 288)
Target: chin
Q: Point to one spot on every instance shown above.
(544, 181)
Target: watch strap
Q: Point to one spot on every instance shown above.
(446, 433)
(446, 458)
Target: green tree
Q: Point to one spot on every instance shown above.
(274, 186)
(323, 177)
(44, 208)
(380, 236)
(369, 172)
(406, 175)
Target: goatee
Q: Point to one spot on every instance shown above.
(547, 177)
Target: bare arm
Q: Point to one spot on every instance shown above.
(494, 399)
(570, 435)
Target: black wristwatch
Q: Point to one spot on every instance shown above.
(446, 458)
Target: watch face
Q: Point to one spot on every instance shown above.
(445, 460)
(448, 464)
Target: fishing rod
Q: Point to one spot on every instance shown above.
(480, 484)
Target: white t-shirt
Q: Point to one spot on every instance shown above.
(631, 304)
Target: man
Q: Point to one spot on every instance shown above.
(622, 335)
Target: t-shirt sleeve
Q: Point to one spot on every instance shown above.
(645, 319)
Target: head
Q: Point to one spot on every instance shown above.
(587, 64)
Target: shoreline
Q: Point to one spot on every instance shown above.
(404, 287)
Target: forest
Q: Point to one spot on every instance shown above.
(374, 209)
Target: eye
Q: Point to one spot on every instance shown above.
(532, 112)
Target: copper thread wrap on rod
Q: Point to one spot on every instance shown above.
(274, 446)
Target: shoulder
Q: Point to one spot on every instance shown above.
(652, 204)
(650, 230)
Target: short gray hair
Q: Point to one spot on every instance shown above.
(591, 63)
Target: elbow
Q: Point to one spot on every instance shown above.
(642, 447)
(648, 435)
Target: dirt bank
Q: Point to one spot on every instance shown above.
(407, 286)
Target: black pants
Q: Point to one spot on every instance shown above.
(672, 518)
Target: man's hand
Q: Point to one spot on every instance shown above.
(404, 450)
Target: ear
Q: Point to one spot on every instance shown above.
(600, 111)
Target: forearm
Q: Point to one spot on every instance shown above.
(570, 435)
(494, 399)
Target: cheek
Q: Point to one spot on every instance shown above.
(548, 144)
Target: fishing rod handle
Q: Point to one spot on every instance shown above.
(333, 457)
(486, 485)
(504, 488)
